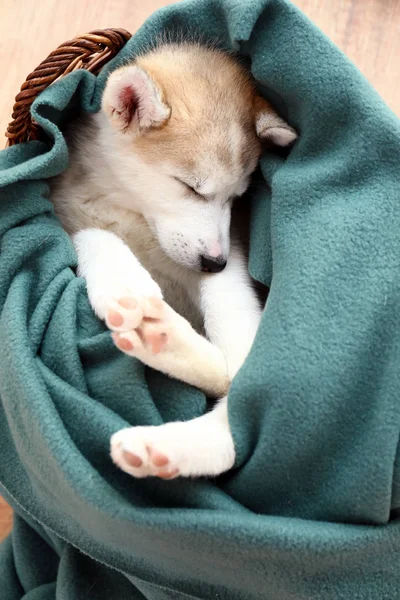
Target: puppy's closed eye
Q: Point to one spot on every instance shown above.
(191, 189)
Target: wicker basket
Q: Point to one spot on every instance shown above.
(90, 51)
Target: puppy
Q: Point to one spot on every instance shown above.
(147, 199)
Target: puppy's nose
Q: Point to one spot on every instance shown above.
(212, 265)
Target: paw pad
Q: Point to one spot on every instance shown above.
(158, 459)
(128, 303)
(132, 460)
(157, 340)
(168, 474)
(141, 457)
(115, 318)
(122, 343)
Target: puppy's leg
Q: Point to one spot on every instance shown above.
(165, 341)
(123, 293)
(231, 310)
(202, 446)
(112, 272)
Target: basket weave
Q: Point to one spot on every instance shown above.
(90, 51)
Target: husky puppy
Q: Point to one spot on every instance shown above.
(147, 199)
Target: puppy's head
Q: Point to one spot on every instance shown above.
(187, 126)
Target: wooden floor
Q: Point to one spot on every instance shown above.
(368, 31)
(5, 519)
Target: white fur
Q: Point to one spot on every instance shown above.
(140, 228)
(203, 446)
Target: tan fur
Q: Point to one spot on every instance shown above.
(208, 92)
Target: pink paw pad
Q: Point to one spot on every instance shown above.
(115, 318)
(122, 343)
(128, 303)
(168, 474)
(157, 341)
(158, 459)
(133, 460)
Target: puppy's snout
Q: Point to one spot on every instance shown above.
(211, 264)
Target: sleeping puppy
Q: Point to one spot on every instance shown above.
(147, 199)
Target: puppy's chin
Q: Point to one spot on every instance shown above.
(184, 261)
(187, 264)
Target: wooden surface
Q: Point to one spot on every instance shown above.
(5, 519)
(368, 31)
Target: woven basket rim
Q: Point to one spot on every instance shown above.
(90, 51)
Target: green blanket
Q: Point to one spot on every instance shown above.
(312, 508)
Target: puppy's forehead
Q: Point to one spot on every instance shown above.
(212, 124)
(233, 147)
(200, 83)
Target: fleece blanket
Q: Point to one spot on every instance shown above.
(311, 509)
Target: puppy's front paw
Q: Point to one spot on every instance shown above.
(124, 296)
(145, 327)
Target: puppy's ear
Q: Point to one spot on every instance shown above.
(270, 126)
(133, 101)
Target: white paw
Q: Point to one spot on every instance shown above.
(109, 293)
(148, 451)
(145, 327)
(202, 446)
